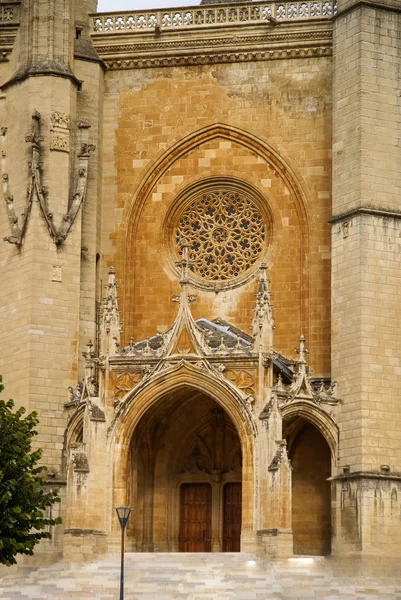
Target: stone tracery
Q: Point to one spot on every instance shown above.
(226, 234)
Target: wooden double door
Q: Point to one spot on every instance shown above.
(196, 517)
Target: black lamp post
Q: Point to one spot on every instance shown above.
(123, 513)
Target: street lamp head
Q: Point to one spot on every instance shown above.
(123, 513)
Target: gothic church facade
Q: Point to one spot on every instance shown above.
(201, 225)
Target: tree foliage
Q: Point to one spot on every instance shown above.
(23, 500)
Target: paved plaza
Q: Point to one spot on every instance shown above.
(207, 576)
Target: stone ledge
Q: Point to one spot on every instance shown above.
(366, 475)
(375, 212)
(43, 68)
(84, 532)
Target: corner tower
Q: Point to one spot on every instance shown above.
(366, 301)
(49, 113)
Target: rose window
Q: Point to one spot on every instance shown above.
(226, 234)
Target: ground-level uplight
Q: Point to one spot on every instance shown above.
(302, 560)
(123, 513)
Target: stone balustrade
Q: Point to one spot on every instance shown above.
(213, 16)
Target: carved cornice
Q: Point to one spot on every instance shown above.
(127, 49)
(358, 475)
(227, 57)
(214, 34)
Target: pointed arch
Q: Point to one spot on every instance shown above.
(317, 417)
(291, 179)
(139, 401)
(206, 134)
(75, 426)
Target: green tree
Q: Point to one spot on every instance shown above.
(23, 501)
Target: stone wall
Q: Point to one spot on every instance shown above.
(149, 115)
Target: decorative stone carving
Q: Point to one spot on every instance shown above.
(60, 120)
(92, 386)
(280, 456)
(96, 413)
(59, 142)
(74, 396)
(219, 57)
(263, 308)
(301, 386)
(225, 232)
(138, 21)
(35, 187)
(262, 323)
(243, 380)
(57, 273)
(125, 382)
(6, 14)
(110, 324)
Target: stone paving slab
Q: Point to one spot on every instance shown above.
(207, 577)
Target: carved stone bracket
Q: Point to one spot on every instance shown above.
(96, 413)
(60, 141)
(74, 396)
(280, 456)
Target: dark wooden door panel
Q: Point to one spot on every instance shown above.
(232, 517)
(195, 517)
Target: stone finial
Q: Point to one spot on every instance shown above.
(184, 264)
(302, 350)
(263, 323)
(110, 328)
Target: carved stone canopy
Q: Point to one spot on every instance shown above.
(245, 364)
(320, 392)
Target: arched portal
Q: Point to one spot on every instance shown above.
(179, 404)
(310, 457)
(184, 477)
